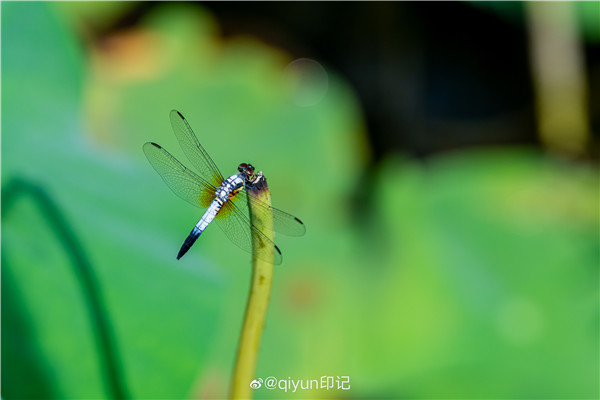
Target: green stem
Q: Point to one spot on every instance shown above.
(102, 331)
(258, 298)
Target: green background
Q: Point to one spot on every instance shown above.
(473, 276)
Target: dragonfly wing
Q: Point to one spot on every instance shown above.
(183, 182)
(193, 149)
(237, 227)
(282, 222)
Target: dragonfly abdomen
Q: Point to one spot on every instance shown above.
(224, 193)
(206, 219)
(189, 241)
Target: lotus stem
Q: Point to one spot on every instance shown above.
(260, 293)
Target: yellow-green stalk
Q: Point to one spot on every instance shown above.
(260, 293)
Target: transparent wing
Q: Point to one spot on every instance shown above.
(193, 149)
(235, 223)
(282, 222)
(183, 182)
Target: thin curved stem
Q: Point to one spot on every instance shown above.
(258, 298)
(90, 286)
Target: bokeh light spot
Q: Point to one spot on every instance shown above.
(307, 81)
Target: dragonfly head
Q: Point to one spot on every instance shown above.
(247, 171)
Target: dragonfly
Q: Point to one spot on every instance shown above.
(225, 200)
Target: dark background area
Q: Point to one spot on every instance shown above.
(429, 75)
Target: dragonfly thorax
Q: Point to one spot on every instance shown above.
(230, 187)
